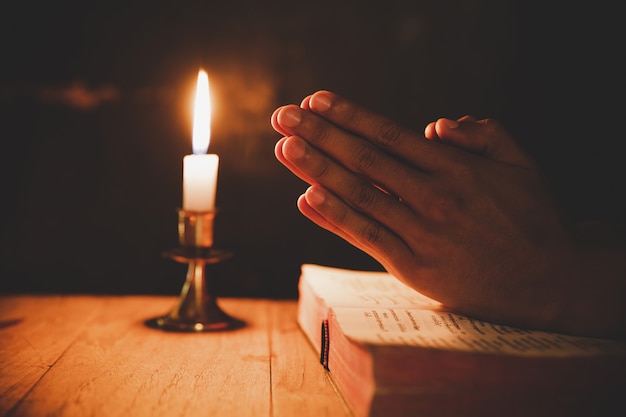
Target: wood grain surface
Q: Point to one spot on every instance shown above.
(93, 356)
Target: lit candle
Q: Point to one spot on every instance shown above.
(200, 169)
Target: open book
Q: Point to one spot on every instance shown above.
(392, 351)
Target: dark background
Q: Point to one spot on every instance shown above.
(95, 117)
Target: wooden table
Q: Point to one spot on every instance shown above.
(93, 356)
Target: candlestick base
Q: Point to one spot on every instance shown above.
(196, 309)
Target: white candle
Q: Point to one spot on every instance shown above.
(200, 169)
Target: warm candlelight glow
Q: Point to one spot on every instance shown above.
(200, 169)
(202, 115)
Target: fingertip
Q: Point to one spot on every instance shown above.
(306, 103)
(293, 148)
(305, 208)
(273, 118)
(301, 203)
(443, 126)
(448, 123)
(275, 124)
(429, 131)
(288, 117)
(320, 101)
(309, 210)
(315, 196)
(278, 148)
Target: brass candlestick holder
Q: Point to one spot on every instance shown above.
(196, 309)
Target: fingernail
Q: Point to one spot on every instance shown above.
(320, 102)
(289, 117)
(314, 196)
(294, 148)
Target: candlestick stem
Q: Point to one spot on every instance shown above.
(197, 309)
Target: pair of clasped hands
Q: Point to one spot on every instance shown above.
(460, 213)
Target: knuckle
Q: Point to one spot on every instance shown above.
(322, 131)
(350, 116)
(340, 215)
(444, 207)
(362, 196)
(388, 133)
(373, 233)
(364, 157)
(321, 169)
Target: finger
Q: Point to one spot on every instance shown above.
(308, 211)
(295, 147)
(445, 131)
(364, 197)
(356, 154)
(332, 214)
(279, 151)
(485, 137)
(305, 103)
(430, 132)
(274, 121)
(379, 130)
(276, 125)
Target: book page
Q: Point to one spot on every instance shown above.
(444, 330)
(344, 287)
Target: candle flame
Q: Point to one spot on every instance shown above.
(202, 115)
